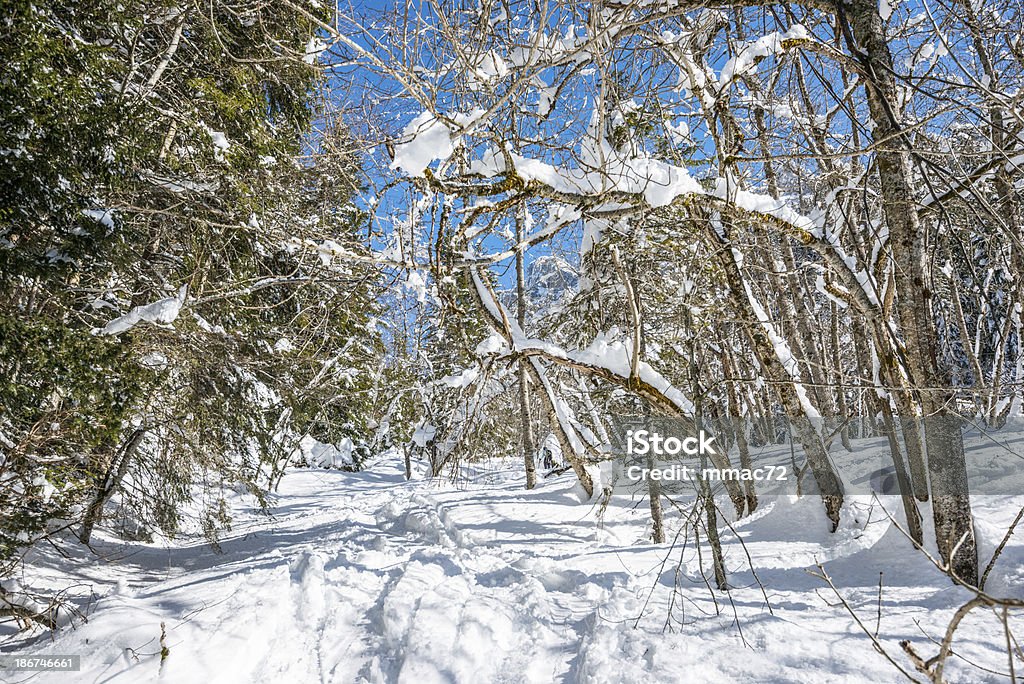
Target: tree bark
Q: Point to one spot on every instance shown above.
(944, 449)
(738, 426)
(829, 484)
(111, 481)
(657, 516)
(528, 442)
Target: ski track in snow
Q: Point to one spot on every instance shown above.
(363, 577)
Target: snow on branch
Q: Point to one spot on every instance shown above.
(605, 357)
(161, 311)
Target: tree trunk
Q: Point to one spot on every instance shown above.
(111, 481)
(910, 511)
(944, 448)
(657, 517)
(829, 484)
(528, 442)
(842, 408)
(749, 492)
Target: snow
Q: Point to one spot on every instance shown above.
(490, 67)
(312, 452)
(424, 434)
(364, 577)
(491, 345)
(417, 284)
(463, 379)
(762, 204)
(546, 100)
(13, 594)
(102, 216)
(614, 355)
(161, 311)
(749, 55)
(155, 360)
(680, 133)
(553, 49)
(428, 139)
(221, 144)
(659, 182)
(375, 577)
(314, 48)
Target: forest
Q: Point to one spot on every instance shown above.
(511, 341)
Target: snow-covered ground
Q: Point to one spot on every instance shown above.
(366, 577)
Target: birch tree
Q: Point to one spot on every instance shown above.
(813, 159)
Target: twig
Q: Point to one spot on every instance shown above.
(824, 576)
(878, 616)
(999, 549)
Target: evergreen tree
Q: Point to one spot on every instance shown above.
(169, 314)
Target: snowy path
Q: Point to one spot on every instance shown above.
(357, 577)
(364, 577)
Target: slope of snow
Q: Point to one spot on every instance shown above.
(364, 577)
